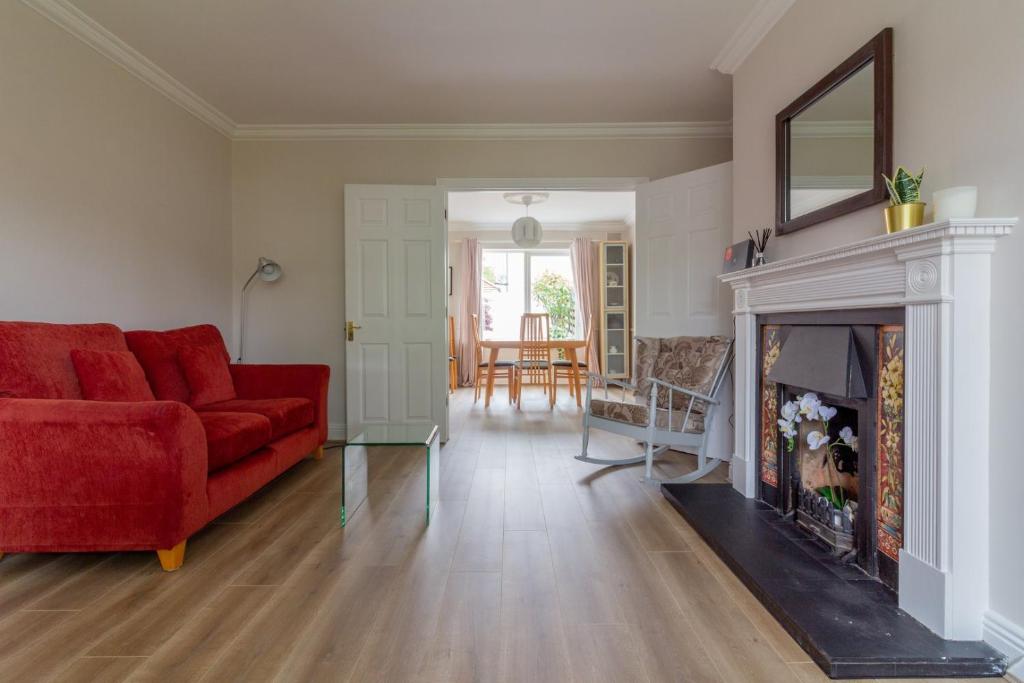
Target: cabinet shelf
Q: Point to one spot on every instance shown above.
(614, 322)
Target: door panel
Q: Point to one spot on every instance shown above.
(684, 223)
(396, 364)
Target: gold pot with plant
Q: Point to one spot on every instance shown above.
(906, 210)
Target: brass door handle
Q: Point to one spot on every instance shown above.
(350, 330)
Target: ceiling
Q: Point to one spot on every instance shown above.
(439, 61)
(563, 209)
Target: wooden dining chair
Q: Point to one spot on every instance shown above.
(483, 367)
(563, 368)
(453, 361)
(534, 364)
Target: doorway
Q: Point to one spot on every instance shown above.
(515, 279)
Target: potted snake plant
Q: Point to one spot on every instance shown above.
(906, 210)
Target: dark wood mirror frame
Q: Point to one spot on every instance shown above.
(879, 51)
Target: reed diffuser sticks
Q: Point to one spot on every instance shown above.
(759, 238)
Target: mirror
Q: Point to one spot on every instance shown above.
(834, 142)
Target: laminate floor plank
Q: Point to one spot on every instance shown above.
(100, 670)
(722, 627)
(194, 647)
(668, 643)
(467, 646)
(533, 646)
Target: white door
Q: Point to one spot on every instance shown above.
(683, 225)
(397, 360)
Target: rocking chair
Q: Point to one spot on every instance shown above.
(679, 392)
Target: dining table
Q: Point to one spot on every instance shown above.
(568, 346)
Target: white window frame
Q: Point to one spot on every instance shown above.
(550, 250)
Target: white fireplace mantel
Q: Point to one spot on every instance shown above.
(940, 274)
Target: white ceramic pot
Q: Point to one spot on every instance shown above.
(955, 202)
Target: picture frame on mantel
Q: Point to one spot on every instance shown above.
(789, 217)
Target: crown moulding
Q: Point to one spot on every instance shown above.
(77, 23)
(486, 131)
(750, 33)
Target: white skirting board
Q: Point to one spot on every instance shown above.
(1008, 638)
(336, 431)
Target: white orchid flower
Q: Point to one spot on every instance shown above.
(816, 439)
(791, 411)
(826, 413)
(809, 404)
(849, 438)
(788, 429)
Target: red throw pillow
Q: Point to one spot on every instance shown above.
(206, 371)
(110, 376)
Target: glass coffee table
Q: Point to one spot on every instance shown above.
(354, 454)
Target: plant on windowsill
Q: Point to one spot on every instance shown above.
(554, 293)
(906, 209)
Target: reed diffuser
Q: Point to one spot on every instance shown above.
(759, 238)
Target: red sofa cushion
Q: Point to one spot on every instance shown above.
(110, 376)
(232, 436)
(206, 369)
(35, 358)
(286, 415)
(158, 355)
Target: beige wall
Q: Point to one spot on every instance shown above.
(288, 206)
(114, 202)
(959, 108)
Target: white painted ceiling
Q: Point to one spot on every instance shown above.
(438, 61)
(563, 209)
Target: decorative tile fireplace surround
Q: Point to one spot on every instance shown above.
(939, 275)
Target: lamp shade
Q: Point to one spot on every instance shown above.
(527, 232)
(269, 270)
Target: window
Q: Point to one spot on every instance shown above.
(536, 281)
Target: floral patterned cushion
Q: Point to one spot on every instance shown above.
(689, 362)
(638, 415)
(647, 349)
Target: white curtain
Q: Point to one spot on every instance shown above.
(583, 254)
(469, 305)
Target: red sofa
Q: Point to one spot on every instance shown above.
(78, 475)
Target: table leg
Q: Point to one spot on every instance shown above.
(491, 360)
(433, 453)
(354, 480)
(575, 379)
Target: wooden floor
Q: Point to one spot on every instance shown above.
(535, 568)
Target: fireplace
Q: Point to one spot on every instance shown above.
(922, 516)
(831, 413)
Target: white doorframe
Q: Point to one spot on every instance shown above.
(610, 184)
(579, 184)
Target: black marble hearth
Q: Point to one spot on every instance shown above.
(848, 622)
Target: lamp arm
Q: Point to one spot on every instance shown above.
(241, 313)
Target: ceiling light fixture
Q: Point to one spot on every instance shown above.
(526, 231)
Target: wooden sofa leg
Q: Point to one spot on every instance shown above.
(172, 559)
(1, 556)
(319, 452)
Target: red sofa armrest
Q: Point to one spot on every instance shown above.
(286, 381)
(93, 475)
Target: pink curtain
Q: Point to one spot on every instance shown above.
(469, 305)
(583, 253)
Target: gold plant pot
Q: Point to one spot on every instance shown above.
(903, 216)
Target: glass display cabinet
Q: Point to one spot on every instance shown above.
(614, 321)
